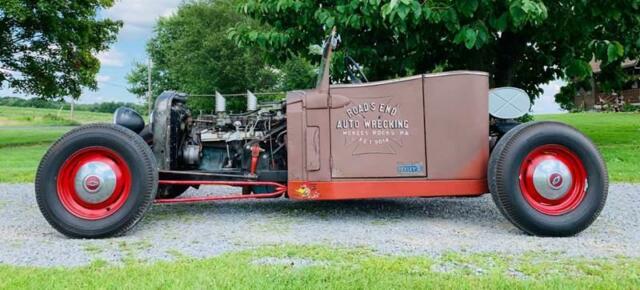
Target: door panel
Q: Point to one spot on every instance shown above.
(377, 130)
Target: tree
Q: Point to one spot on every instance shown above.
(192, 53)
(48, 48)
(522, 43)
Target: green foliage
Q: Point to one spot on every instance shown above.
(298, 74)
(47, 48)
(105, 107)
(522, 43)
(566, 96)
(526, 118)
(192, 53)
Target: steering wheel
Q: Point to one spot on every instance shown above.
(356, 76)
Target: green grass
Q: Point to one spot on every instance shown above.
(617, 135)
(19, 164)
(23, 136)
(17, 116)
(26, 133)
(295, 267)
(21, 150)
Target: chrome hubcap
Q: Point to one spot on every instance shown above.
(552, 179)
(95, 182)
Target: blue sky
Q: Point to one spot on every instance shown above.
(139, 16)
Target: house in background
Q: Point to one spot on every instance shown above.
(599, 100)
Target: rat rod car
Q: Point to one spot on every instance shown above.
(431, 135)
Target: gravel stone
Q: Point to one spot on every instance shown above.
(424, 226)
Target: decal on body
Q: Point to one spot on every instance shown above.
(376, 127)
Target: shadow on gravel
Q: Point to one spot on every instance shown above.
(472, 210)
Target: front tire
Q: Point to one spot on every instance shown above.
(548, 179)
(96, 181)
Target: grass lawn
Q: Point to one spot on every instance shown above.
(17, 116)
(617, 135)
(19, 164)
(14, 137)
(26, 133)
(293, 267)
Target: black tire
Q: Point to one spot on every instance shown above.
(130, 150)
(504, 179)
(171, 191)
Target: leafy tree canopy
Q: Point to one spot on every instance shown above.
(192, 53)
(522, 43)
(48, 48)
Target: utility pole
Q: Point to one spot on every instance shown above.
(149, 98)
(73, 101)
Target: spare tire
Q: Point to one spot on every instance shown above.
(548, 179)
(96, 181)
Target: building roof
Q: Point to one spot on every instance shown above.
(595, 65)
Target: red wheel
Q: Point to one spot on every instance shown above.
(553, 180)
(547, 179)
(94, 183)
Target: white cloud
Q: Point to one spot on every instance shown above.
(6, 71)
(139, 16)
(546, 104)
(103, 78)
(112, 58)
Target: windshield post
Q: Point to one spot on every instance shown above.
(324, 74)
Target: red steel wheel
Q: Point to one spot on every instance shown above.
(553, 180)
(94, 183)
(547, 179)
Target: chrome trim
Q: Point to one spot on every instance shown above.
(552, 179)
(106, 179)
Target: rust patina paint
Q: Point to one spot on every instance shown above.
(342, 142)
(380, 131)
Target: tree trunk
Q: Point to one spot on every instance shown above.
(509, 49)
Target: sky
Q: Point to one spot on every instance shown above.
(139, 17)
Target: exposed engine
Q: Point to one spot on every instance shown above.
(247, 145)
(251, 141)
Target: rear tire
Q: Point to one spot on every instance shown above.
(96, 181)
(548, 179)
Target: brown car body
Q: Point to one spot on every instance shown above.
(428, 130)
(423, 135)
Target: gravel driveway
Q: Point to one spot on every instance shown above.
(401, 226)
